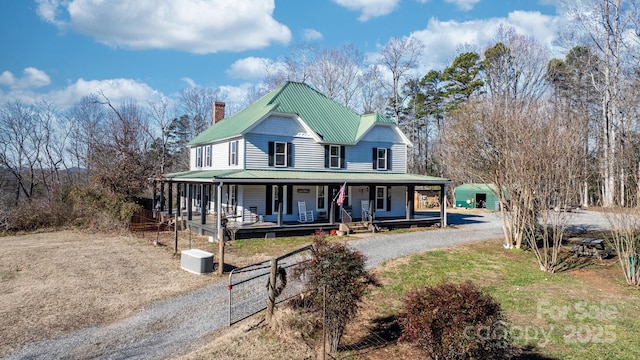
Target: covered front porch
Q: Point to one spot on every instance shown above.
(243, 203)
(243, 230)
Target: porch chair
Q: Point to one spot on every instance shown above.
(366, 213)
(230, 214)
(304, 215)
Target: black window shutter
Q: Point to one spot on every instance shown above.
(326, 156)
(388, 159)
(269, 200)
(229, 157)
(289, 199)
(289, 151)
(375, 158)
(388, 198)
(271, 153)
(342, 163)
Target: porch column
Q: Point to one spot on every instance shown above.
(153, 203)
(372, 201)
(203, 207)
(161, 195)
(178, 201)
(411, 189)
(279, 204)
(443, 205)
(189, 202)
(170, 199)
(219, 212)
(332, 212)
(219, 229)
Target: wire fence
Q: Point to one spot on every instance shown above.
(248, 285)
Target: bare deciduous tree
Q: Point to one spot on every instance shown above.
(625, 231)
(21, 146)
(196, 102)
(120, 164)
(524, 144)
(373, 95)
(399, 56)
(533, 159)
(608, 27)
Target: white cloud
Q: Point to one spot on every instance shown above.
(249, 68)
(444, 39)
(369, 8)
(7, 78)
(117, 90)
(32, 78)
(311, 34)
(465, 5)
(189, 81)
(235, 94)
(195, 26)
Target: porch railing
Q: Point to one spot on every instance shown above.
(346, 217)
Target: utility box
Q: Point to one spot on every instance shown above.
(196, 261)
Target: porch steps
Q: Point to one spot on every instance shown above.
(359, 227)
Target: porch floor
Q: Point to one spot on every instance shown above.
(246, 230)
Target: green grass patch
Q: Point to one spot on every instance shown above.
(585, 313)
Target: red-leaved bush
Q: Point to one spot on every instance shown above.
(455, 321)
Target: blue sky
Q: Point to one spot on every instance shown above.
(60, 50)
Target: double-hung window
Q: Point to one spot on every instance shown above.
(321, 198)
(199, 156)
(381, 197)
(233, 153)
(334, 157)
(381, 159)
(280, 154)
(207, 157)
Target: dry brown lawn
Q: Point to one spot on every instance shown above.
(56, 282)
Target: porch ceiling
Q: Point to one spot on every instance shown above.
(302, 177)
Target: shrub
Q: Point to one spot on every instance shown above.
(102, 210)
(455, 321)
(341, 271)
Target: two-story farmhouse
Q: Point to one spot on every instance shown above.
(296, 158)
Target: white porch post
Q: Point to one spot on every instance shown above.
(443, 205)
(219, 212)
(219, 229)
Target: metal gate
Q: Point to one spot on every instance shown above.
(248, 285)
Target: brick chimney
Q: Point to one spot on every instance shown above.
(218, 112)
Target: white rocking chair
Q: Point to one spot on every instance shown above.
(304, 216)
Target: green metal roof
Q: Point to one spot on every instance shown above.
(333, 122)
(289, 176)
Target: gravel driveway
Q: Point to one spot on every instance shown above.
(179, 325)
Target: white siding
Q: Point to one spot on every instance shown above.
(219, 156)
(254, 195)
(307, 154)
(382, 134)
(399, 158)
(276, 128)
(281, 126)
(192, 159)
(398, 201)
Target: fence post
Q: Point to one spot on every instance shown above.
(272, 287)
(324, 322)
